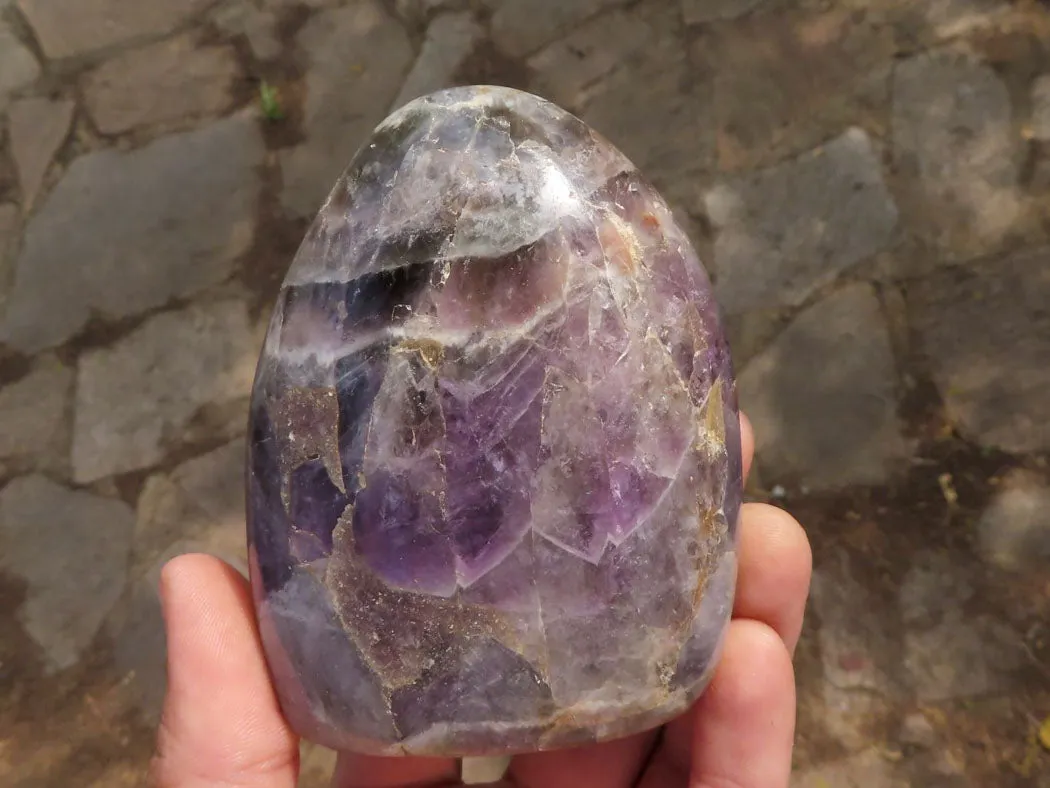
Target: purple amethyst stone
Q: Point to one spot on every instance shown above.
(494, 462)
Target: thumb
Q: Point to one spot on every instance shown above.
(221, 724)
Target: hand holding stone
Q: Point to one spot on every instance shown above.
(222, 725)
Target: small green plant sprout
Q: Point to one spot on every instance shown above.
(270, 101)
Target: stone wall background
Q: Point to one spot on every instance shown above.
(869, 182)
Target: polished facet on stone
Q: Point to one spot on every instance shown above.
(494, 460)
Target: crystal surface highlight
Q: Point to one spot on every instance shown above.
(494, 458)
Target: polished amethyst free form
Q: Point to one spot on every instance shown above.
(494, 458)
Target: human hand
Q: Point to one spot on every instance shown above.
(222, 726)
